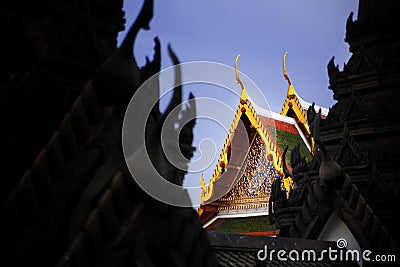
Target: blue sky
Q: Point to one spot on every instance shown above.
(312, 31)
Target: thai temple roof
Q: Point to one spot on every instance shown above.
(68, 198)
(291, 94)
(306, 105)
(282, 123)
(241, 183)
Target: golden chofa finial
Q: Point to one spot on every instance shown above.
(243, 95)
(284, 69)
(290, 91)
(237, 72)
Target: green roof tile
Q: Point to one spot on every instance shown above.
(247, 224)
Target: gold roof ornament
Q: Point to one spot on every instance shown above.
(292, 102)
(238, 80)
(290, 88)
(284, 69)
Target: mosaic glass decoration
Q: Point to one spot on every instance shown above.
(258, 175)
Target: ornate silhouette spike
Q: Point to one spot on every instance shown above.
(141, 22)
(332, 68)
(284, 166)
(177, 95)
(349, 21)
(192, 106)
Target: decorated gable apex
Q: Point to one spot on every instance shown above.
(296, 108)
(241, 183)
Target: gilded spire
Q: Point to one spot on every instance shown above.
(284, 69)
(291, 88)
(244, 94)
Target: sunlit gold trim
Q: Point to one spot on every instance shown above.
(200, 211)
